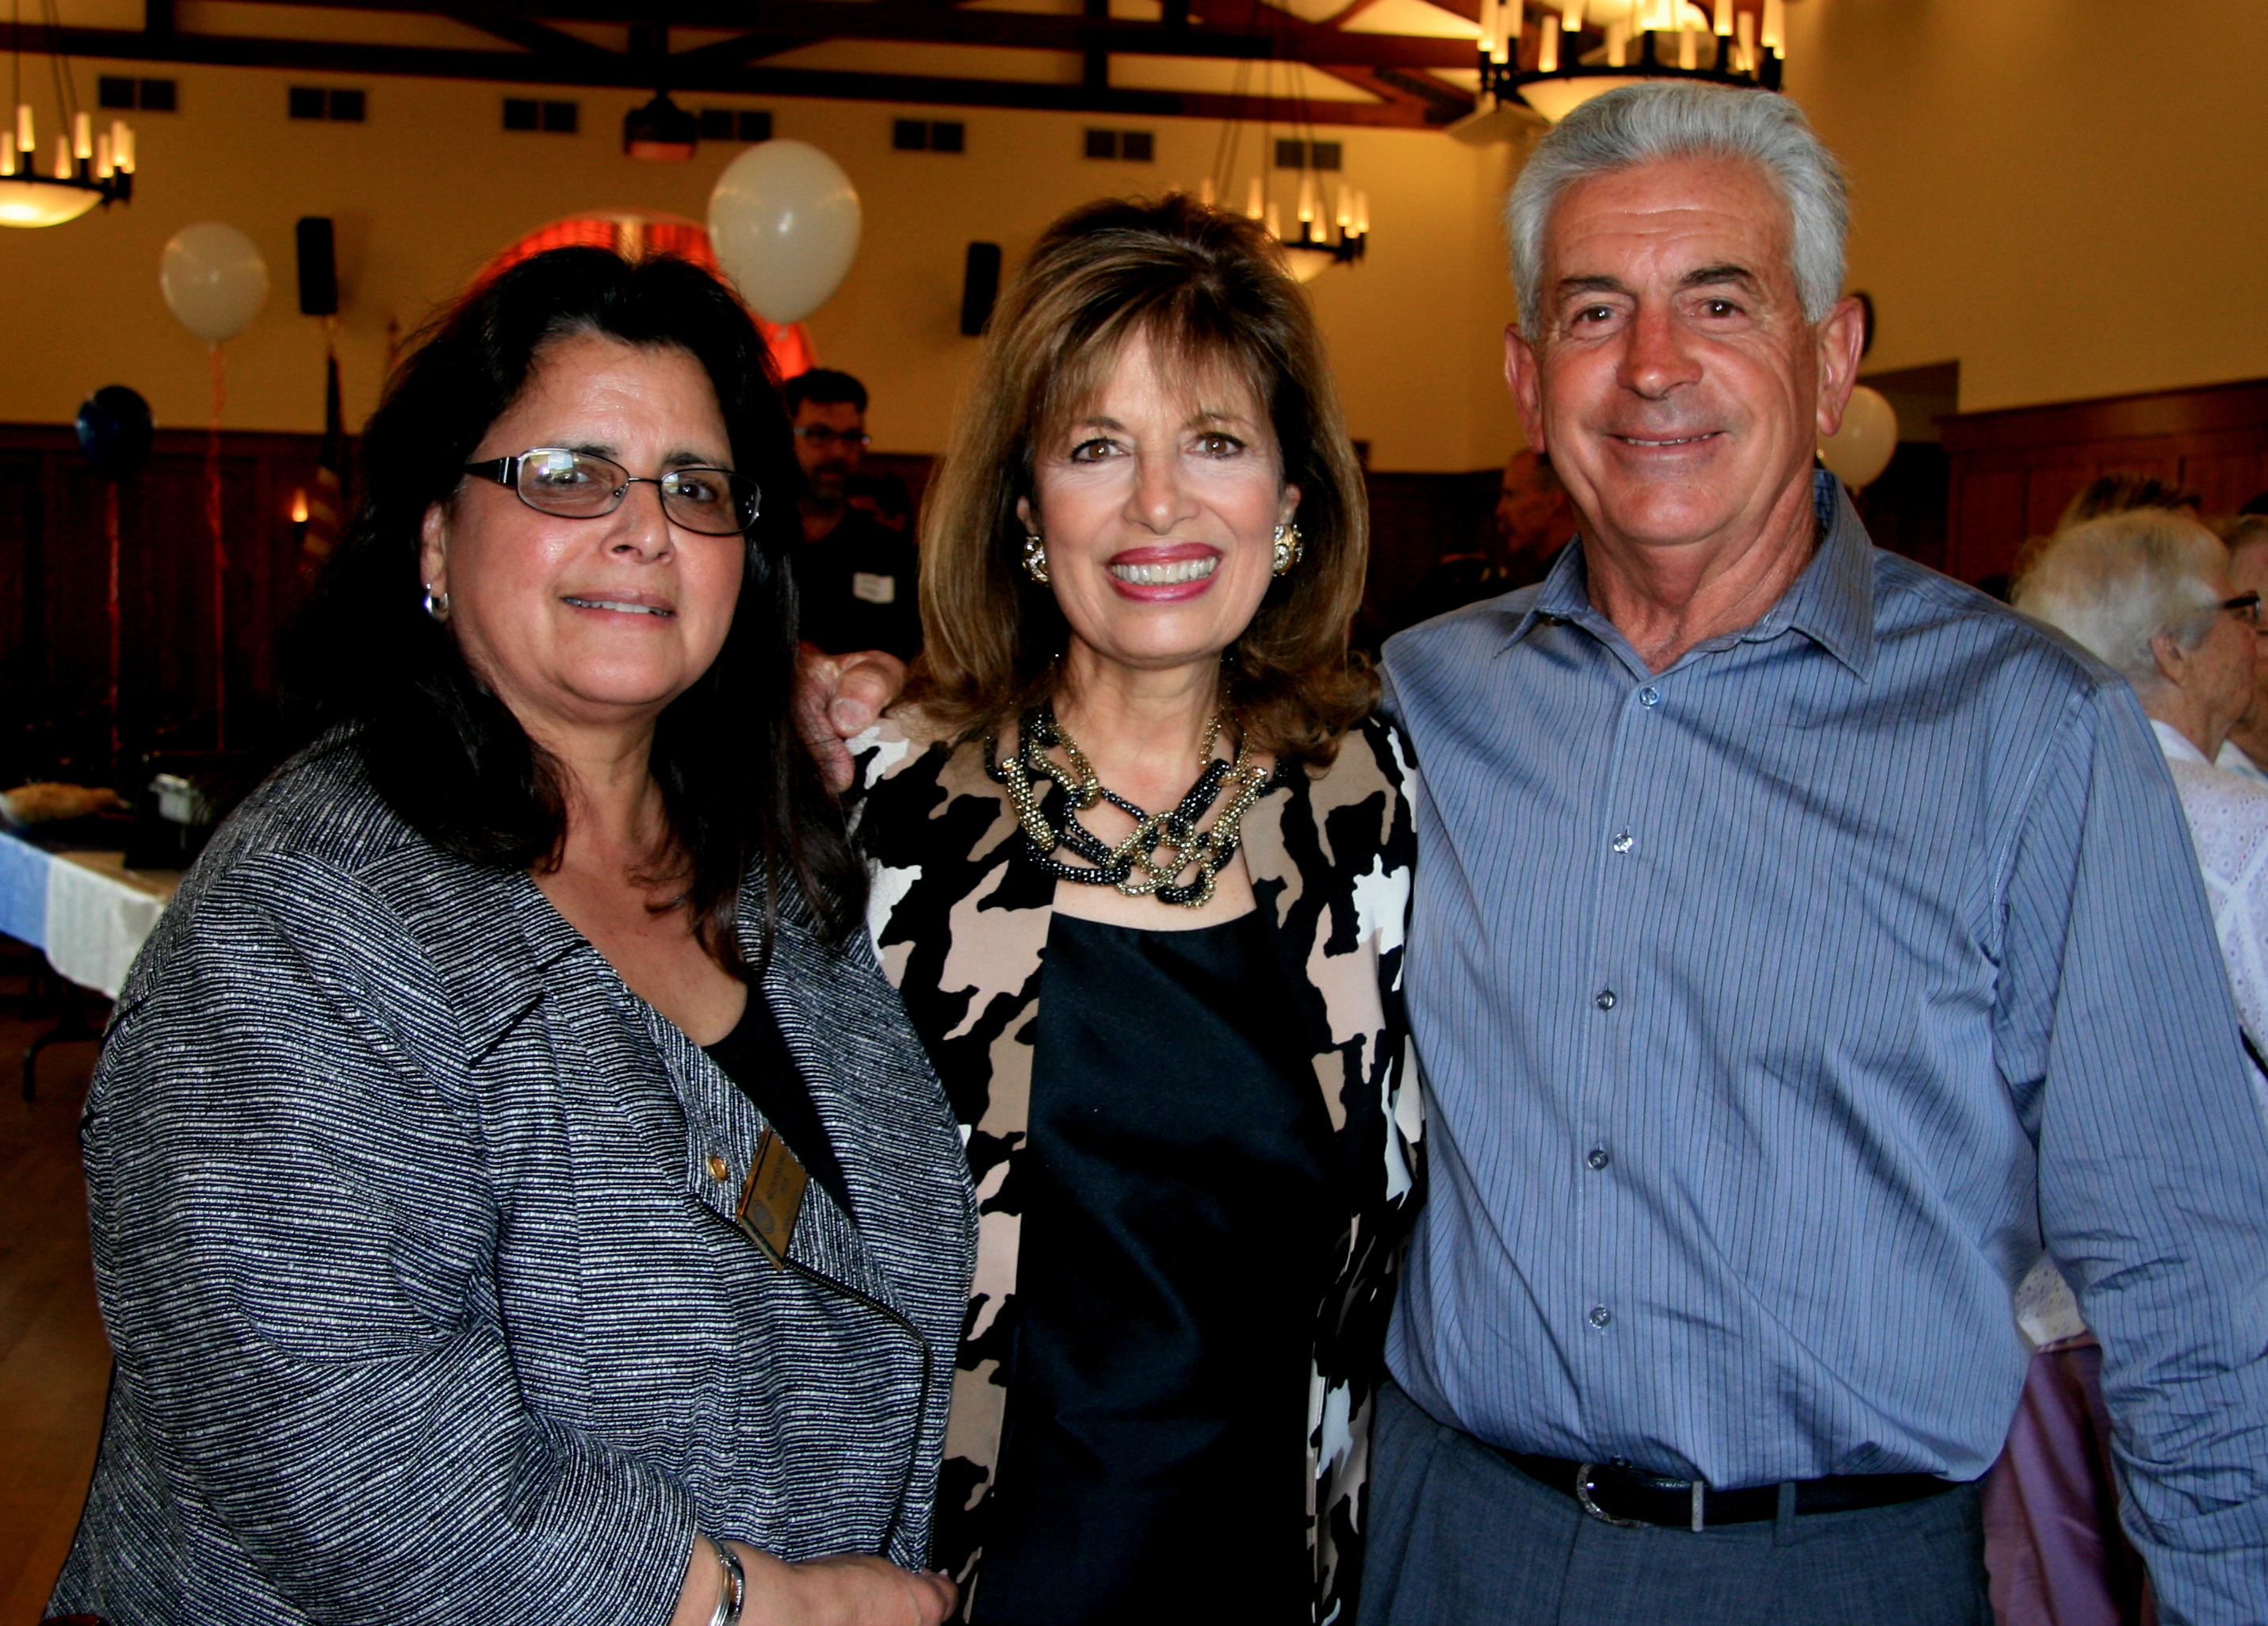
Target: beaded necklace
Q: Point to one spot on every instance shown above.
(1163, 845)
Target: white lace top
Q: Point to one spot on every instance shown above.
(2229, 825)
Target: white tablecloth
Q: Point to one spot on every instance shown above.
(93, 913)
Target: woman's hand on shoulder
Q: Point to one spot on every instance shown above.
(854, 1589)
(838, 697)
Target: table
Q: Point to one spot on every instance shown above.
(86, 912)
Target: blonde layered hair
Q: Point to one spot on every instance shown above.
(1208, 292)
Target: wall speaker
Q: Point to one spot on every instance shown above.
(980, 285)
(319, 269)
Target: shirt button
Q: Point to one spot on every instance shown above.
(1600, 1315)
(1606, 999)
(718, 1169)
(1649, 696)
(1624, 841)
(1598, 1159)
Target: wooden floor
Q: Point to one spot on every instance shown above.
(54, 1362)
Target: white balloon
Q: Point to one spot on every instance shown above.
(214, 280)
(784, 220)
(1860, 450)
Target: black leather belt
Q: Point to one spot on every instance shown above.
(1627, 1496)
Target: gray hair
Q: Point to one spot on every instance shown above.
(1666, 119)
(2114, 583)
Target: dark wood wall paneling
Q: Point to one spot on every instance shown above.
(2013, 471)
(55, 585)
(54, 576)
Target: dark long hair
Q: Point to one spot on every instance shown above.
(739, 787)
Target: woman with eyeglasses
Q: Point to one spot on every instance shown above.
(516, 1193)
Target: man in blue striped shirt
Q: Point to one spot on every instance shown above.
(1802, 942)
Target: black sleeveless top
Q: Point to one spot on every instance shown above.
(1173, 1259)
(754, 1057)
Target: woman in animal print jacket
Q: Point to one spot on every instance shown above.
(1139, 850)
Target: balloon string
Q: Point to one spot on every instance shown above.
(219, 559)
(110, 529)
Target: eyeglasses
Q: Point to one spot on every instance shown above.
(2245, 607)
(575, 485)
(822, 436)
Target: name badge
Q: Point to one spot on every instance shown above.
(772, 1196)
(873, 588)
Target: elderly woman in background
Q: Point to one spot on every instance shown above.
(2147, 590)
(2148, 593)
(1140, 858)
(448, 1154)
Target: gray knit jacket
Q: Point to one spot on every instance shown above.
(427, 1300)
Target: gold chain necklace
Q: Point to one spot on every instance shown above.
(1163, 846)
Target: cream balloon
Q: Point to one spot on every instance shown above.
(214, 280)
(784, 220)
(1860, 451)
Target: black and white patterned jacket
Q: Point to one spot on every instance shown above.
(415, 1235)
(960, 915)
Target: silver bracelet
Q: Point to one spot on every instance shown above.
(735, 1594)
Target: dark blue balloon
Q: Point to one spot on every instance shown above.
(114, 431)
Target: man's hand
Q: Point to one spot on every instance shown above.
(837, 696)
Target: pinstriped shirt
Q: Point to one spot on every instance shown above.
(1777, 1009)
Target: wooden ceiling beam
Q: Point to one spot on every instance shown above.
(1234, 29)
(607, 69)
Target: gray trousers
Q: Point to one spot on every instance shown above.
(1460, 1537)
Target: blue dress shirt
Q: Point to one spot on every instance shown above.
(1777, 1009)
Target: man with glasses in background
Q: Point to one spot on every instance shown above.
(854, 577)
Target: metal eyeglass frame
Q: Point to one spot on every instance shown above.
(505, 472)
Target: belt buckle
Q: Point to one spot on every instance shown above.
(1583, 1473)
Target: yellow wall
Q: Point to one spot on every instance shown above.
(431, 186)
(2069, 197)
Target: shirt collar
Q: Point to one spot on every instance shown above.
(2177, 744)
(1832, 602)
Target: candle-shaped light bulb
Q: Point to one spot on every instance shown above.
(62, 156)
(1487, 20)
(1512, 22)
(24, 139)
(103, 167)
(7, 157)
(1724, 24)
(1571, 15)
(1774, 37)
(1746, 31)
(1362, 214)
(1255, 201)
(1346, 209)
(1547, 49)
(299, 506)
(1306, 199)
(82, 136)
(1204, 191)
(1617, 42)
(122, 146)
(1688, 49)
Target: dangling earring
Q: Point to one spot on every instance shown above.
(1036, 558)
(437, 604)
(1288, 549)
